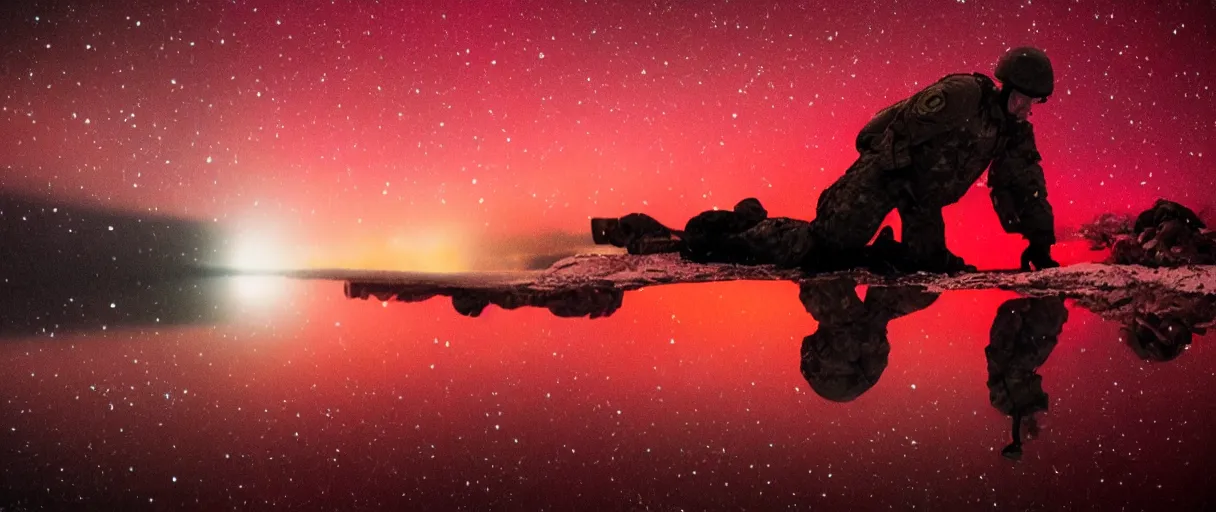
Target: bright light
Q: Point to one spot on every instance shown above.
(257, 251)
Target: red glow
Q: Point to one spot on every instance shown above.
(398, 134)
(348, 125)
(349, 402)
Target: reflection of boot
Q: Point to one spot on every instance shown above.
(1013, 451)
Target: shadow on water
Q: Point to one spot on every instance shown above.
(74, 268)
(848, 353)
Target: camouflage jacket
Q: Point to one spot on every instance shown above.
(941, 140)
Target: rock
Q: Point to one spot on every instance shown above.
(1166, 235)
(1104, 230)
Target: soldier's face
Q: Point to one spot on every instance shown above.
(1020, 104)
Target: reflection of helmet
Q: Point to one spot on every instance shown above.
(848, 353)
(841, 364)
(1027, 70)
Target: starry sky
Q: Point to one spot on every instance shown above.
(402, 135)
(365, 134)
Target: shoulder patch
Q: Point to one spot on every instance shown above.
(931, 101)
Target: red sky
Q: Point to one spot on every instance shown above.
(373, 135)
(380, 135)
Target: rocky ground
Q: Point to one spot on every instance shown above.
(1162, 272)
(593, 285)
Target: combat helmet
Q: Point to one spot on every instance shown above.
(1027, 70)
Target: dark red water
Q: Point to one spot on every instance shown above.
(688, 398)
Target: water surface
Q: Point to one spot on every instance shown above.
(286, 394)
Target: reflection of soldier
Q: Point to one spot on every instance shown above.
(1022, 337)
(848, 352)
(920, 155)
(588, 301)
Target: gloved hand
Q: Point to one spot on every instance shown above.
(1037, 254)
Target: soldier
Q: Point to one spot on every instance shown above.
(743, 235)
(847, 354)
(1023, 334)
(923, 153)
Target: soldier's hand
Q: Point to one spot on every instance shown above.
(1037, 255)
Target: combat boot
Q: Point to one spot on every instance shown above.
(623, 231)
(603, 228)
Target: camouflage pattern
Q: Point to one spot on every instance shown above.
(848, 353)
(742, 235)
(916, 156)
(746, 236)
(717, 235)
(924, 153)
(1023, 334)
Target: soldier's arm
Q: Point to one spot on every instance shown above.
(935, 110)
(1019, 190)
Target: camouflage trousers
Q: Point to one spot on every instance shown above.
(848, 214)
(778, 241)
(850, 211)
(847, 217)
